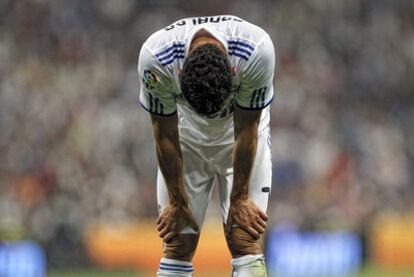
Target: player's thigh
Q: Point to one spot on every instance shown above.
(198, 181)
(260, 180)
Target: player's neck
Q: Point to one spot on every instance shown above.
(203, 37)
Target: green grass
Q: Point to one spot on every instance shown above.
(93, 272)
(368, 271)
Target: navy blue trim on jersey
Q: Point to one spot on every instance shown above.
(173, 59)
(176, 51)
(175, 45)
(160, 114)
(241, 43)
(240, 49)
(239, 55)
(258, 97)
(256, 108)
(171, 53)
(236, 48)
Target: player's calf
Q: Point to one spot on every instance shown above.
(248, 260)
(241, 243)
(178, 254)
(181, 247)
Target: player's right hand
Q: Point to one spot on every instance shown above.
(173, 219)
(245, 214)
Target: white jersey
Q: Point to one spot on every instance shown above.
(250, 51)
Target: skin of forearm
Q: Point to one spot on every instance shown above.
(170, 161)
(244, 154)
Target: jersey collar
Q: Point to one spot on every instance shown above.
(214, 33)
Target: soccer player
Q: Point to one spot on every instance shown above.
(207, 83)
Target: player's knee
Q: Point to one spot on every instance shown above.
(241, 243)
(181, 247)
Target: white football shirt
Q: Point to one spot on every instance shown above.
(250, 51)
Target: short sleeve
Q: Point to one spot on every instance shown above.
(156, 94)
(256, 90)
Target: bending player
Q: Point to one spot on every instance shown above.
(207, 83)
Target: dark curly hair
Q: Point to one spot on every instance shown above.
(206, 79)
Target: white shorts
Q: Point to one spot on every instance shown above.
(203, 163)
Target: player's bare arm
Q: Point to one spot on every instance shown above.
(177, 214)
(243, 212)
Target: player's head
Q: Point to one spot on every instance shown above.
(206, 79)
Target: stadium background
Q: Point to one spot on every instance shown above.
(77, 165)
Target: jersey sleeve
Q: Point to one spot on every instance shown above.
(156, 94)
(256, 90)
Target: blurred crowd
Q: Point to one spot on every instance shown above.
(76, 148)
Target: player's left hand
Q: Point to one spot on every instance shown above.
(173, 219)
(246, 215)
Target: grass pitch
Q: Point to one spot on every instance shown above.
(368, 271)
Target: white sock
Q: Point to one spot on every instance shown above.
(170, 267)
(249, 266)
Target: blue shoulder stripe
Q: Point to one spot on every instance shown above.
(239, 55)
(240, 43)
(175, 45)
(235, 48)
(176, 51)
(176, 56)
